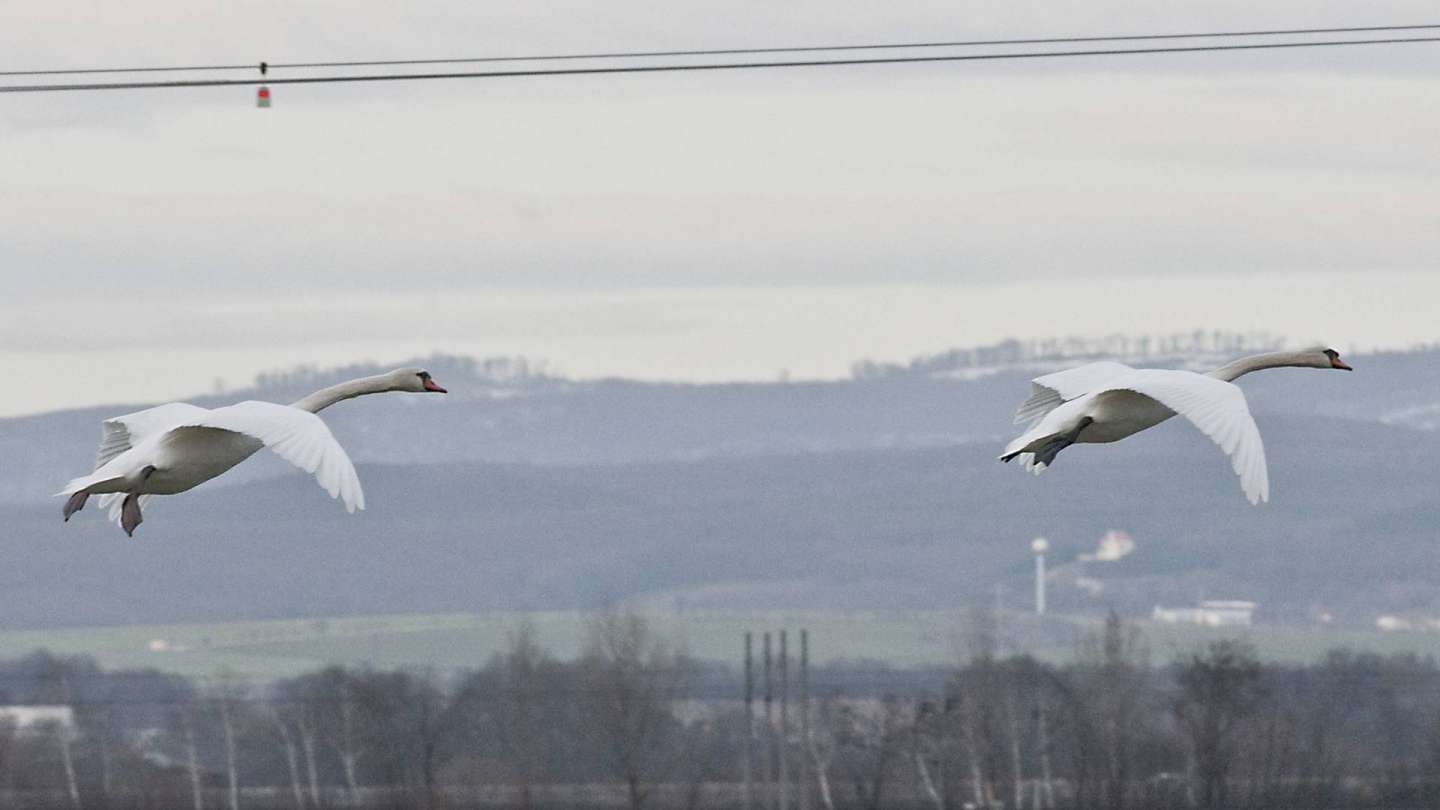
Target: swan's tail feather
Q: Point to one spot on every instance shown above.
(1039, 452)
(1017, 446)
(1037, 458)
(88, 482)
(75, 485)
(1027, 460)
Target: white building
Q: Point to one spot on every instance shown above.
(1210, 613)
(1114, 545)
(1391, 623)
(33, 718)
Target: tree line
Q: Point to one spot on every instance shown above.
(635, 722)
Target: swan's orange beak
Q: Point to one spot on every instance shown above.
(431, 386)
(1336, 362)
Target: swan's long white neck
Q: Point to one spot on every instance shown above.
(325, 397)
(1239, 368)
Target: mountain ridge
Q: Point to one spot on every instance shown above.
(504, 411)
(879, 528)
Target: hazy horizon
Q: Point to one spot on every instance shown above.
(691, 335)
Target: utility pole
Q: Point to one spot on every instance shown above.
(767, 762)
(1040, 545)
(749, 727)
(804, 719)
(784, 723)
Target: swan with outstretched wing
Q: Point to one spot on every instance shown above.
(1108, 401)
(174, 447)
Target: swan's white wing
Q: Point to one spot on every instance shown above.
(1049, 391)
(124, 432)
(1218, 408)
(299, 437)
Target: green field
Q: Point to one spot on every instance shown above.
(270, 649)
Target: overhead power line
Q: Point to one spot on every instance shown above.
(735, 51)
(665, 68)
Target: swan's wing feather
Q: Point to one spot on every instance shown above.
(1049, 391)
(120, 433)
(1219, 410)
(299, 437)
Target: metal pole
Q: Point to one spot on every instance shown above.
(749, 727)
(1040, 545)
(768, 757)
(1040, 584)
(784, 723)
(805, 719)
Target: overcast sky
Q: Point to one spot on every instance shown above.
(700, 226)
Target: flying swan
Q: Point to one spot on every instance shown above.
(1107, 401)
(170, 448)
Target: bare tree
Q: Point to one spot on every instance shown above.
(55, 686)
(103, 731)
(345, 738)
(326, 712)
(292, 757)
(306, 728)
(870, 739)
(929, 746)
(398, 719)
(8, 746)
(63, 734)
(229, 693)
(633, 677)
(1045, 790)
(820, 745)
(298, 706)
(976, 691)
(1218, 688)
(518, 720)
(192, 756)
(1114, 668)
(324, 708)
(1017, 765)
(428, 723)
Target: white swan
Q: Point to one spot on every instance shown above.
(1107, 401)
(171, 448)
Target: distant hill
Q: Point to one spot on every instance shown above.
(503, 411)
(526, 491)
(1351, 531)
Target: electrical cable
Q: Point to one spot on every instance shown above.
(736, 51)
(590, 71)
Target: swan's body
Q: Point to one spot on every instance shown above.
(175, 447)
(1108, 401)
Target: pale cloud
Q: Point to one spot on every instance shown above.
(627, 225)
(917, 177)
(693, 334)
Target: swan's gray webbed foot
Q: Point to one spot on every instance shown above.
(75, 504)
(1046, 453)
(130, 516)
